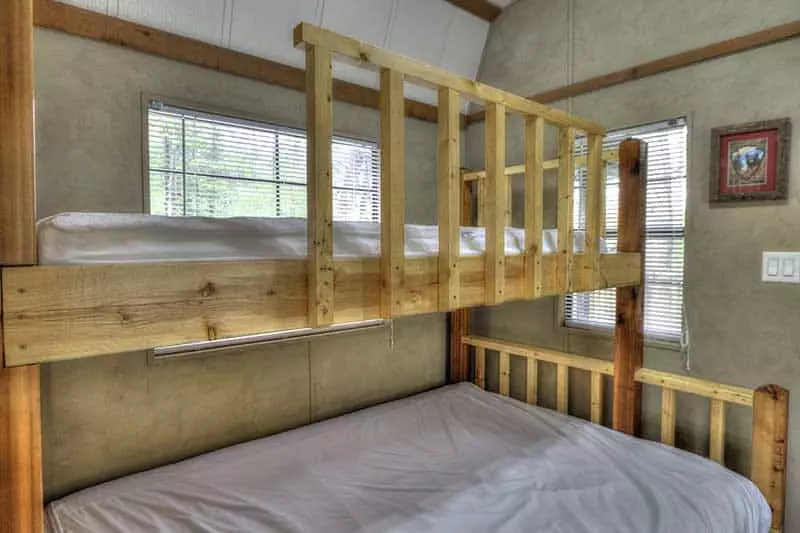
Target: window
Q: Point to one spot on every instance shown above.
(202, 164)
(665, 226)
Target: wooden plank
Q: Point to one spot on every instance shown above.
(717, 432)
(480, 200)
(504, 372)
(550, 164)
(768, 36)
(509, 203)
(66, 312)
(534, 204)
(770, 445)
(532, 381)
(596, 390)
(364, 54)
(566, 182)
(449, 199)
(562, 388)
(129, 35)
(494, 217)
(668, 400)
(628, 332)
(480, 8)
(594, 207)
(319, 110)
(700, 387)
(459, 319)
(480, 367)
(393, 142)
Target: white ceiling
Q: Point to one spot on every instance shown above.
(433, 31)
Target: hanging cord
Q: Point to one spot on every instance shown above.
(685, 345)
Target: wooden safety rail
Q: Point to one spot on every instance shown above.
(769, 403)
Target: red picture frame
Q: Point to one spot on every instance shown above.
(750, 161)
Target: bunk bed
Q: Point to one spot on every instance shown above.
(58, 312)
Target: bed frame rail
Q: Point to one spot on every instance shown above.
(769, 403)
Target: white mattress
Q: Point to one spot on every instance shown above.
(454, 459)
(85, 238)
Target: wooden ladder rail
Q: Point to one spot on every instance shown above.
(21, 496)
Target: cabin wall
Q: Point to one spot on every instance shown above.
(109, 416)
(742, 331)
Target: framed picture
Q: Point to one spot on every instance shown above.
(750, 161)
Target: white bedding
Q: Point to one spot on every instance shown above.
(454, 459)
(85, 238)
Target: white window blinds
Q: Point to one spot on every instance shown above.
(665, 225)
(202, 164)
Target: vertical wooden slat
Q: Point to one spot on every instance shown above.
(392, 191)
(21, 497)
(449, 198)
(594, 209)
(480, 200)
(534, 204)
(628, 333)
(496, 184)
(319, 108)
(532, 381)
(460, 318)
(717, 431)
(509, 200)
(596, 412)
(562, 388)
(566, 182)
(505, 373)
(668, 416)
(480, 367)
(770, 444)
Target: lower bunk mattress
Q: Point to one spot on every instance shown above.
(87, 238)
(453, 459)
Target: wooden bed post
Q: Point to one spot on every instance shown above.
(459, 320)
(21, 497)
(770, 443)
(629, 331)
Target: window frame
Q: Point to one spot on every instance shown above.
(149, 98)
(597, 332)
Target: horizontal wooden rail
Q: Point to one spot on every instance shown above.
(590, 364)
(550, 164)
(435, 77)
(699, 387)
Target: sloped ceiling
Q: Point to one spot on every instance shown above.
(433, 31)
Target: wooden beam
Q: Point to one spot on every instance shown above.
(550, 164)
(480, 367)
(534, 204)
(596, 391)
(716, 441)
(494, 217)
(79, 22)
(594, 206)
(668, 400)
(504, 371)
(768, 36)
(770, 445)
(460, 319)
(532, 381)
(480, 8)
(393, 142)
(450, 191)
(699, 387)
(21, 495)
(364, 55)
(319, 109)
(566, 183)
(562, 388)
(628, 332)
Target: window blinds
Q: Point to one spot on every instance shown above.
(665, 225)
(201, 164)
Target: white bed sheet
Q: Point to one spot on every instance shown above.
(456, 459)
(86, 238)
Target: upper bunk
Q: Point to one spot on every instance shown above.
(58, 312)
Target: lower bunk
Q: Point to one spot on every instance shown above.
(456, 458)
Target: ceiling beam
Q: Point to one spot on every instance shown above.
(480, 8)
(775, 34)
(111, 30)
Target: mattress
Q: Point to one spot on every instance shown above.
(453, 459)
(86, 238)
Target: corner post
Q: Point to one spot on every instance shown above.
(21, 498)
(319, 109)
(459, 319)
(449, 200)
(629, 331)
(770, 443)
(495, 206)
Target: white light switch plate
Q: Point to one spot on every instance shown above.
(781, 267)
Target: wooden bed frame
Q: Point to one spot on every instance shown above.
(54, 313)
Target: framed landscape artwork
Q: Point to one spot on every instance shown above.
(750, 161)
